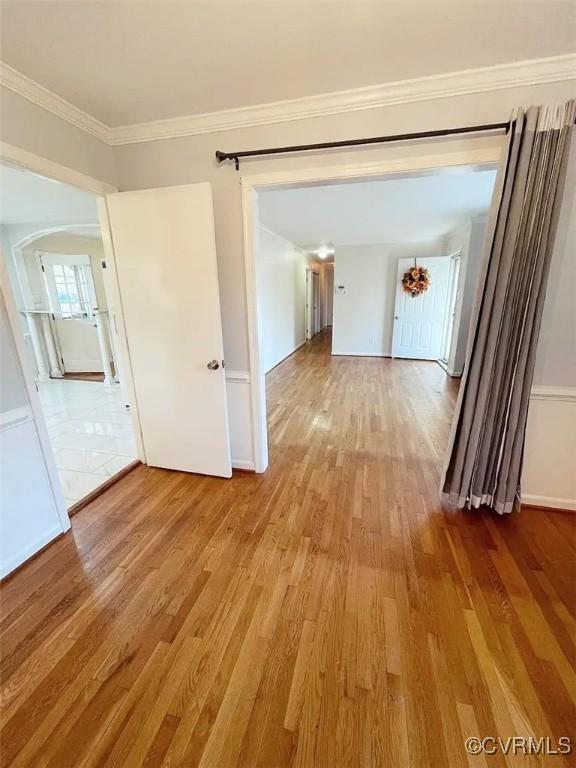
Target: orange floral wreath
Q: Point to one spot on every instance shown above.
(416, 281)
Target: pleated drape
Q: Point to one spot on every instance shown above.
(486, 446)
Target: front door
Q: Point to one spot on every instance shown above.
(70, 286)
(165, 257)
(419, 320)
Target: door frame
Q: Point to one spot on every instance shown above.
(476, 158)
(21, 158)
(453, 280)
(33, 396)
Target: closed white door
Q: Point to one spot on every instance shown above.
(316, 301)
(70, 286)
(419, 320)
(165, 257)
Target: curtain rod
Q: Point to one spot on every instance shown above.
(222, 156)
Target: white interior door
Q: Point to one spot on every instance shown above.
(316, 301)
(165, 257)
(309, 304)
(70, 286)
(419, 321)
(312, 303)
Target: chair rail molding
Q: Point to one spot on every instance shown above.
(459, 83)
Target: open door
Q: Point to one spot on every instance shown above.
(165, 258)
(419, 321)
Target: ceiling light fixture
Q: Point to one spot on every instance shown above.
(324, 251)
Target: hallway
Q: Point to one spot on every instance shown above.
(326, 613)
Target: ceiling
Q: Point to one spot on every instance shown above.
(27, 198)
(127, 62)
(410, 209)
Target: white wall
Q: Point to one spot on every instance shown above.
(34, 129)
(549, 478)
(29, 516)
(281, 275)
(364, 314)
(183, 160)
(188, 159)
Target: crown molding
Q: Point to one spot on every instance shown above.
(521, 73)
(464, 82)
(18, 83)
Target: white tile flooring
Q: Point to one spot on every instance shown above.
(90, 431)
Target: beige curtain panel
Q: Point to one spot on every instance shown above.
(487, 440)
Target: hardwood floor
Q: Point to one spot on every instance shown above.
(328, 613)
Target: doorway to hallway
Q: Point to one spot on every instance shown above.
(61, 292)
(360, 244)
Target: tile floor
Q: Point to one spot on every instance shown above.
(91, 433)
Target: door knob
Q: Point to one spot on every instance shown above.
(213, 365)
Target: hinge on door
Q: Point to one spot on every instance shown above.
(103, 264)
(42, 267)
(223, 364)
(62, 359)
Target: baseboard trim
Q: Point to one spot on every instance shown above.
(361, 354)
(287, 356)
(30, 552)
(243, 466)
(549, 502)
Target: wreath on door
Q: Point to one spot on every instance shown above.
(416, 280)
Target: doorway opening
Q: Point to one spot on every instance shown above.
(66, 309)
(365, 238)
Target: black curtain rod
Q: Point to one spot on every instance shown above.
(222, 156)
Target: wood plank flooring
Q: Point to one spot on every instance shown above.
(328, 613)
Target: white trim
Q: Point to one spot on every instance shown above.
(18, 83)
(237, 377)
(463, 82)
(15, 416)
(368, 354)
(12, 155)
(39, 233)
(248, 466)
(283, 239)
(469, 158)
(31, 549)
(546, 392)
(258, 423)
(34, 407)
(568, 505)
(249, 183)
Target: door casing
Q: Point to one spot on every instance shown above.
(20, 158)
(473, 157)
